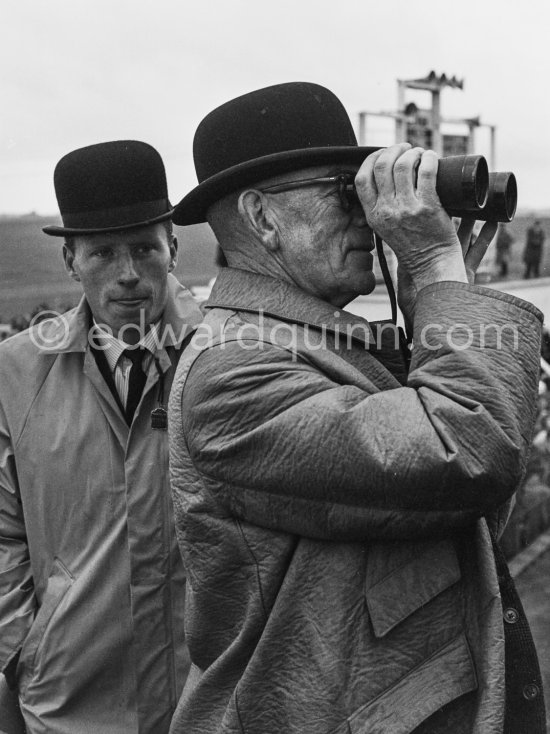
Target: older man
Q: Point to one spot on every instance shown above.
(337, 509)
(91, 580)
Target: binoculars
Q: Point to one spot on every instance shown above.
(466, 188)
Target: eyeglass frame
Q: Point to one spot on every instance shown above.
(346, 191)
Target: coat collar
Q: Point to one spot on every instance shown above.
(69, 332)
(242, 290)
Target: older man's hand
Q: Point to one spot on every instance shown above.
(396, 187)
(473, 251)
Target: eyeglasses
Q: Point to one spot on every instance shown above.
(344, 181)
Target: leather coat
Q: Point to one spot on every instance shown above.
(334, 509)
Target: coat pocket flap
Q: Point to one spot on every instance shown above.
(429, 569)
(446, 675)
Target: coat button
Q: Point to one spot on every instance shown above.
(510, 615)
(530, 691)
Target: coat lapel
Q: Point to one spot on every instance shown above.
(107, 402)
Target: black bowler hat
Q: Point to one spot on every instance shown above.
(267, 132)
(110, 187)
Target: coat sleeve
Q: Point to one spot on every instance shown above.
(17, 599)
(283, 446)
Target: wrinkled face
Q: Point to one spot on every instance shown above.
(124, 275)
(327, 251)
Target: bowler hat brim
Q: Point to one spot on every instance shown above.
(56, 231)
(193, 207)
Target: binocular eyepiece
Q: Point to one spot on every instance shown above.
(466, 188)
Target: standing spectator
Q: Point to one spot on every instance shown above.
(503, 245)
(336, 506)
(533, 249)
(91, 580)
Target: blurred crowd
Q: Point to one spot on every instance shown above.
(506, 256)
(20, 322)
(539, 463)
(531, 514)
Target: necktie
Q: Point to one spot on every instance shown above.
(136, 381)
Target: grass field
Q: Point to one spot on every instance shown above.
(32, 270)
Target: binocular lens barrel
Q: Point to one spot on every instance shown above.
(503, 198)
(463, 182)
(466, 188)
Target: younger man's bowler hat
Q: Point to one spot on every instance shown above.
(110, 187)
(265, 133)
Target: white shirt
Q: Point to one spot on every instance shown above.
(119, 364)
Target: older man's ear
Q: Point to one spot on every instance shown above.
(257, 215)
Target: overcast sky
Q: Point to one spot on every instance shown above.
(75, 73)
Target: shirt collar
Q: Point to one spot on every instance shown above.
(113, 347)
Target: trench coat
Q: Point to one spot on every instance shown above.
(91, 580)
(335, 508)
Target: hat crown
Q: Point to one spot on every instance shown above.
(277, 119)
(108, 175)
(110, 186)
(266, 133)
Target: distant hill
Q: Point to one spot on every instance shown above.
(32, 270)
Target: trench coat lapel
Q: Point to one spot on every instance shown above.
(107, 402)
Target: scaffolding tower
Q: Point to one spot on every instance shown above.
(423, 127)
